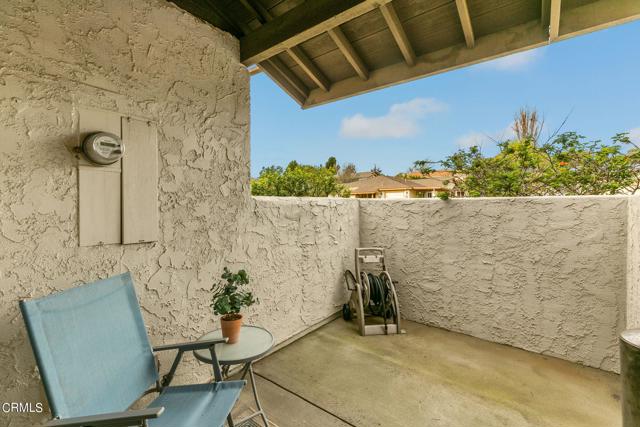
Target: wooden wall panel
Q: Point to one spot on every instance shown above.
(139, 181)
(100, 209)
(99, 205)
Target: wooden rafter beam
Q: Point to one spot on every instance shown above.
(554, 19)
(286, 79)
(465, 21)
(399, 35)
(349, 52)
(299, 24)
(301, 58)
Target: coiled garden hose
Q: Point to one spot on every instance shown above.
(380, 302)
(376, 295)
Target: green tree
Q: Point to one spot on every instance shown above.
(376, 171)
(423, 166)
(299, 181)
(332, 163)
(567, 165)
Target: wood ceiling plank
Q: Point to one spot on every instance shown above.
(299, 24)
(364, 25)
(437, 29)
(504, 14)
(408, 9)
(465, 21)
(256, 7)
(237, 12)
(284, 6)
(336, 68)
(378, 50)
(545, 13)
(309, 67)
(399, 35)
(349, 52)
(208, 14)
(596, 15)
(270, 4)
(322, 44)
(570, 4)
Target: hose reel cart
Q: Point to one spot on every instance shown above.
(373, 295)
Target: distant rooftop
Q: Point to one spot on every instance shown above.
(374, 184)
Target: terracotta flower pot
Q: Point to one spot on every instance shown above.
(231, 324)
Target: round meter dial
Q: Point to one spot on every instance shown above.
(103, 148)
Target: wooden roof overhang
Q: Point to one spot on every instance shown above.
(320, 51)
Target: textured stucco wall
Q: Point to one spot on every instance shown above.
(633, 263)
(297, 251)
(543, 274)
(143, 58)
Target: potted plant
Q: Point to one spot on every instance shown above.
(228, 300)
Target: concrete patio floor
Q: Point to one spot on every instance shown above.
(428, 377)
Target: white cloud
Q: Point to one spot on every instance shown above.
(481, 139)
(634, 135)
(402, 120)
(514, 62)
(472, 138)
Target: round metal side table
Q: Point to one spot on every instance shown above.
(254, 343)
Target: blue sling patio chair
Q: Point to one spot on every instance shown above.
(95, 361)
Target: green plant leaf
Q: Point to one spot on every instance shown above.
(226, 296)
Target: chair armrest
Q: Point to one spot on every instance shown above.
(189, 346)
(112, 419)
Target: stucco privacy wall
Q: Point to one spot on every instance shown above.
(633, 263)
(543, 274)
(140, 57)
(298, 250)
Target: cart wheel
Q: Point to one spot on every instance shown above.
(346, 312)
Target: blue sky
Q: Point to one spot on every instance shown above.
(596, 77)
